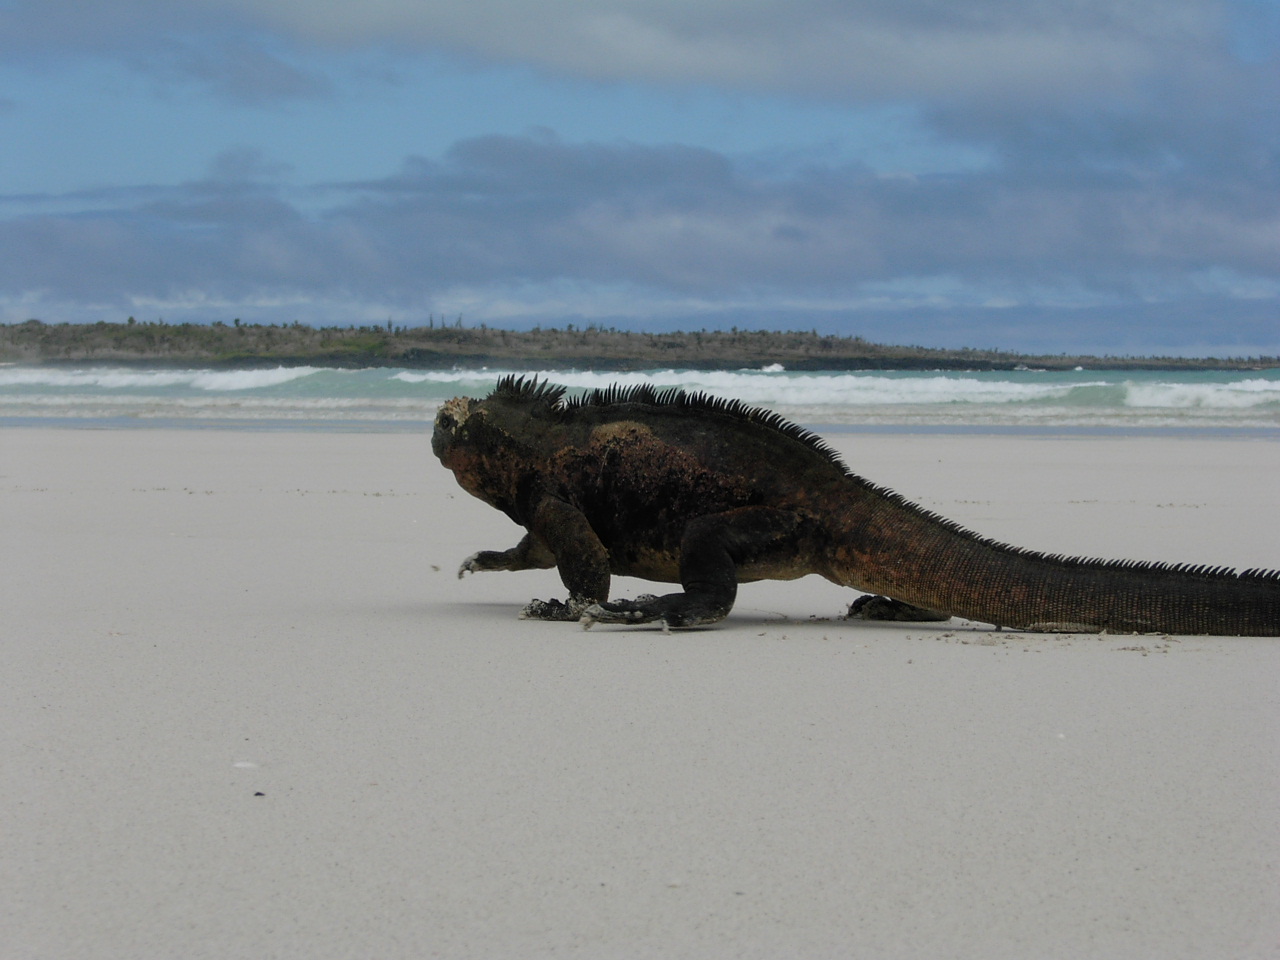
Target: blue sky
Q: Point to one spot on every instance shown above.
(1098, 175)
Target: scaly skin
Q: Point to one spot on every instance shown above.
(684, 489)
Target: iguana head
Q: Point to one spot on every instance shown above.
(500, 420)
(452, 436)
(450, 419)
(489, 444)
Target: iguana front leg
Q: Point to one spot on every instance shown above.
(529, 554)
(560, 536)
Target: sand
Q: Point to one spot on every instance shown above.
(249, 711)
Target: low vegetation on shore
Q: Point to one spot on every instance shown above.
(444, 345)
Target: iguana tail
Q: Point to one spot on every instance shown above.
(908, 554)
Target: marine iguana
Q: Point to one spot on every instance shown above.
(684, 488)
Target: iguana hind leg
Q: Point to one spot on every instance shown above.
(883, 608)
(672, 610)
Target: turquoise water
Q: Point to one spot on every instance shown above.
(397, 399)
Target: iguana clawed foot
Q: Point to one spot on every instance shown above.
(675, 610)
(883, 608)
(564, 610)
(480, 562)
(643, 609)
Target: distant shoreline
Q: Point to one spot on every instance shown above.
(433, 347)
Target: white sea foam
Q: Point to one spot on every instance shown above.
(1078, 398)
(444, 376)
(831, 389)
(1239, 394)
(60, 377)
(248, 379)
(113, 378)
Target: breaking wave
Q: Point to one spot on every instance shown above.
(327, 395)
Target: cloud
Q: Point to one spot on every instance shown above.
(1132, 158)
(245, 164)
(854, 48)
(861, 50)
(691, 219)
(1142, 85)
(648, 231)
(179, 42)
(244, 73)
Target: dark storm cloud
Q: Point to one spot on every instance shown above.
(690, 220)
(504, 210)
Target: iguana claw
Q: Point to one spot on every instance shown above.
(600, 613)
(571, 609)
(646, 608)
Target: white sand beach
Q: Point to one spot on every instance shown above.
(249, 711)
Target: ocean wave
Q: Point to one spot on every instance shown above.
(219, 407)
(117, 378)
(775, 388)
(329, 394)
(1238, 394)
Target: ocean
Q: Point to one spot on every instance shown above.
(389, 399)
